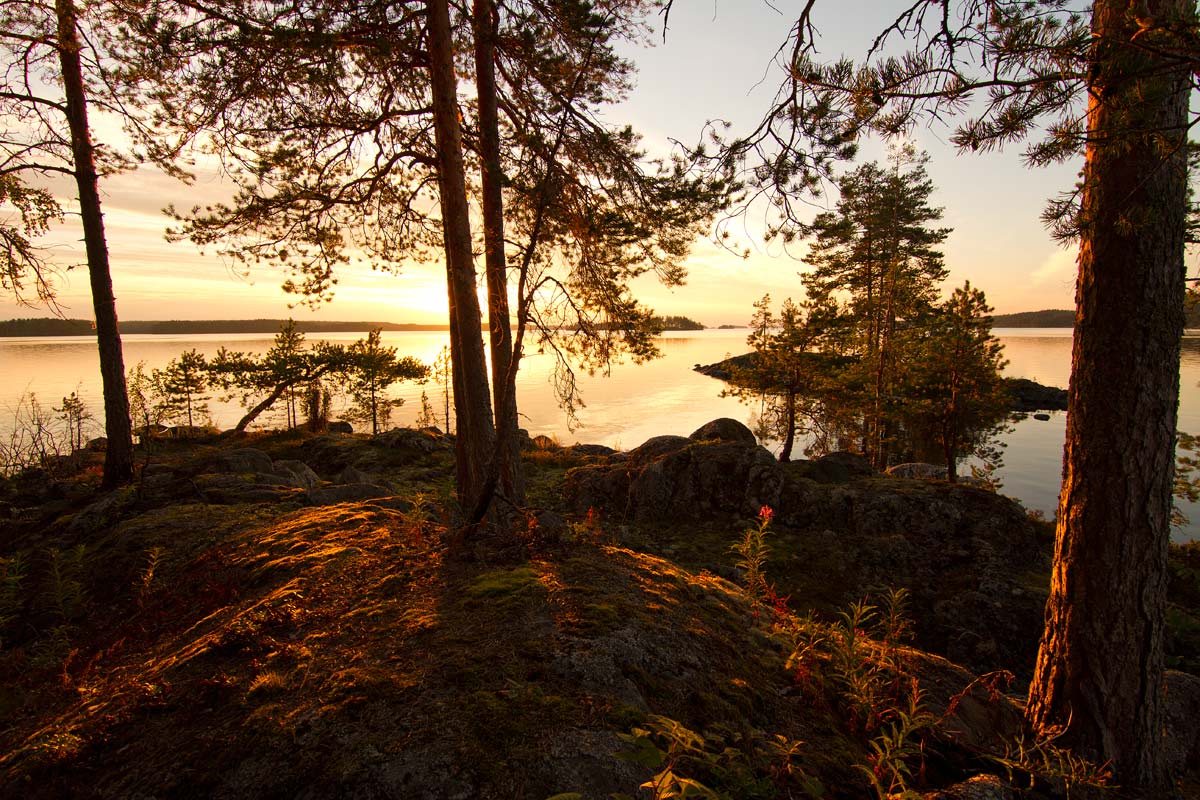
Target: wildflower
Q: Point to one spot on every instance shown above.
(766, 514)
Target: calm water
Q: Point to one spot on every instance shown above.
(623, 408)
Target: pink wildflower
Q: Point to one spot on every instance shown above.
(766, 514)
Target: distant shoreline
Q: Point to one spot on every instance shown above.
(83, 327)
(50, 326)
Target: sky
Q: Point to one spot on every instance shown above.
(717, 61)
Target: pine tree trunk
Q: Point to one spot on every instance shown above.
(476, 436)
(1099, 671)
(511, 480)
(118, 457)
(789, 439)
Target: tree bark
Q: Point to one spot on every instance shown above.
(476, 436)
(1099, 671)
(510, 478)
(118, 457)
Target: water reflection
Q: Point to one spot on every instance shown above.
(623, 409)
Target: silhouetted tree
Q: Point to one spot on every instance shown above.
(47, 134)
(952, 389)
(370, 369)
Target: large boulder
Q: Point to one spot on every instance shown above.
(918, 471)
(413, 443)
(229, 489)
(657, 446)
(672, 478)
(339, 426)
(297, 472)
(838, 467)
(244, 459)
(725, 430)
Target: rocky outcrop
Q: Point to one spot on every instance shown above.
(725, 430)
(966, 555)
(1030, 395)
(672, 477)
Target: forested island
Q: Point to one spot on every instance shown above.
(1063, 318)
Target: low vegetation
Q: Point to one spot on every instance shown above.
(159, 640)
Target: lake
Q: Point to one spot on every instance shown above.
(623, 408)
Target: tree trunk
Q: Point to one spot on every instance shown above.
(507, 464)
(118, 457)
(476, 436)
(1099, 671)
(789, 439)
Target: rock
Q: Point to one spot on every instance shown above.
(103, 513)
(1181, 710)
(725, 430)
(592, 450)
(98, 445)
(228, 489)
(671, 478)
(299, 473)
(543, 442)
(1042, 417)
(723, 370)
(551, 524)
(353, 474)
(150, 431)
(965, 555)
(918, 471)
(346, 493)
(191, 431)
(340, 426)
(1029, 395)
(657, 446)
(417, 443)
(244, 459)
(839, 467)
(980, 787)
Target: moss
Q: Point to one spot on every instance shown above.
(504, 584)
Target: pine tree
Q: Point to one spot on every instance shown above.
(878, 249)
(370, 369)
(182, 385)
(953, 391)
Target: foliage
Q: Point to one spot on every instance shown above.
(146, 407)
(878, 249)
(371, 369)
(279, 374)
(718, 765)
(34, 440)
(74, 413)
(953, 391)
(1041, 761)
(13, 572)
(796, 373)
(182, 385)
(21, 259)
(752, 552)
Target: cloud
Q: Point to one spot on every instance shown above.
(1058, 267)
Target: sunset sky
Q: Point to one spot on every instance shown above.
(717, 61)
